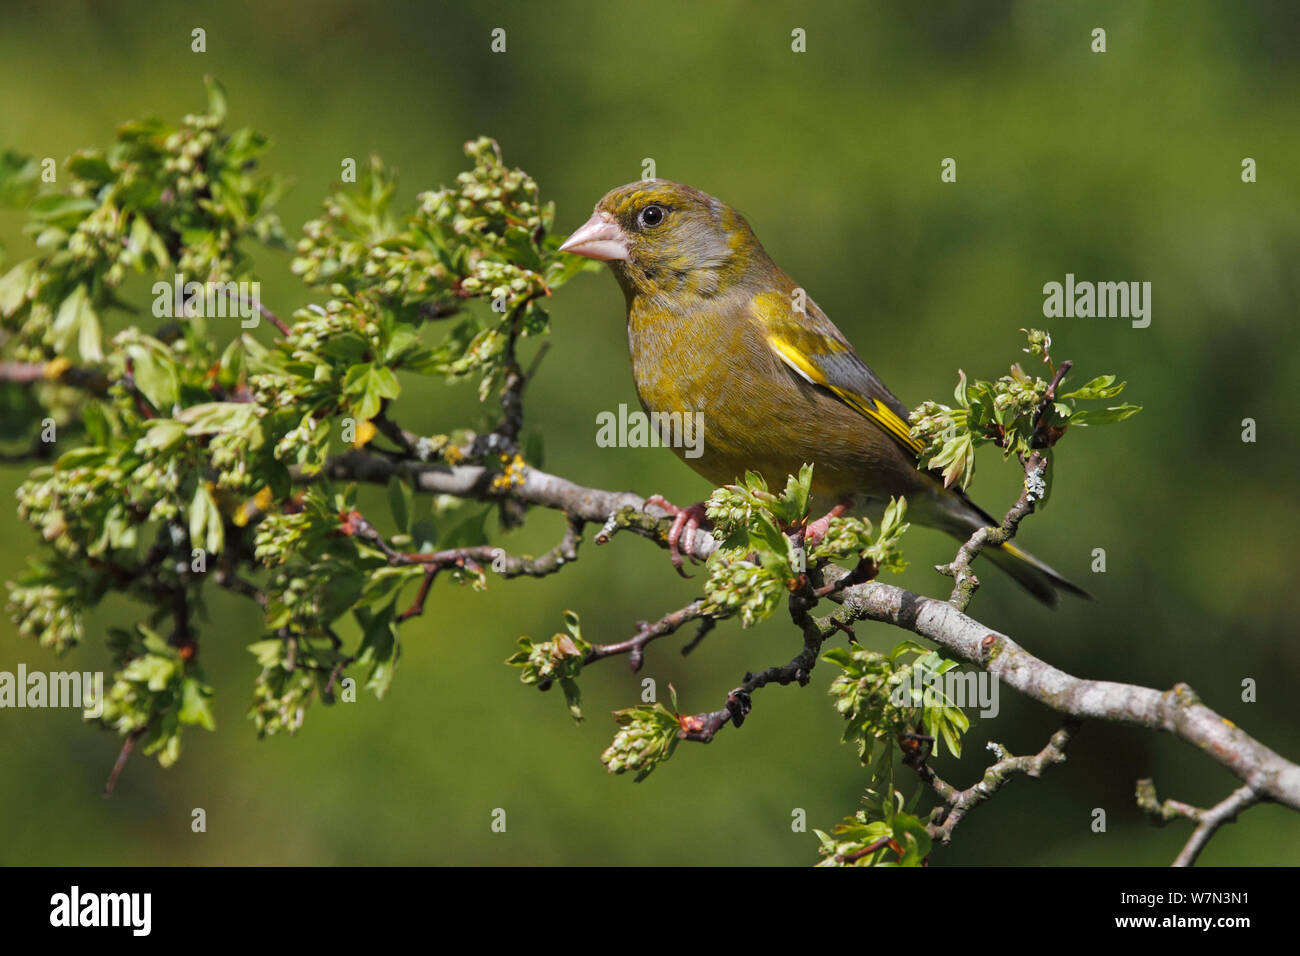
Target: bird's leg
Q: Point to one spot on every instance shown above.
(817, 529)
(686, 521)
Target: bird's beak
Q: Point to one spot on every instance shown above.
(600, 237)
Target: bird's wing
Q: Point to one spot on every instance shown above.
(811, 345)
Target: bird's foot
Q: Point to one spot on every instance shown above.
(686, 521)
(816, 530)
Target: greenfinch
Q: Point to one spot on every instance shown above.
(715, 327)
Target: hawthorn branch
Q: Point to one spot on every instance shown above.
(1207, 821)
(1034, 489)
(816, 631)
(959, 569)
(957, 803)
(1177, 711)
(507, 565)
(614, 511)
(128, 745)
(232, 582)
(399, 436)
(274, 319)
(703, 727)
(634, 646)
(512, 390)
(91, 380)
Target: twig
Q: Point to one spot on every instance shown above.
(59, 370)
(703, 727)
(616, 511)
(634, 646)
(355, 525)
(706, 626)
(399, 436)
(1177, 711)
(127, 746)
(1033, 490)
(959, 569)
(1207, 821)
(957, 803)
(236, 585)
(271, 317)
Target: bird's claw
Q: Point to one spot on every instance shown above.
(816, 530)
(686, 521)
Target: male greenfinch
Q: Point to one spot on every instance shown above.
(714, 326)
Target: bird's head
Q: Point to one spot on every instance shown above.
(663, 238)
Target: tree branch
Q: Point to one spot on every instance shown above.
(1032, 491)
(1177, 711)
(615, 511)
(957, 803)
(634, 646)
(1207, 821)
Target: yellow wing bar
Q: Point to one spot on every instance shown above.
(873, 408)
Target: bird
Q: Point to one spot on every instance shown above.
(714, 326)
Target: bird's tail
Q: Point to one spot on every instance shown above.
(960, 516)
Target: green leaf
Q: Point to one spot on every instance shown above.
(269, 652)
(89, 339)
(161, 435)
(346, 347)
(379, 646)
(369, 386)
(1104, 416)
(213, 418)
(1100, 387)
(154, 643)
(572, 697)
(90, 165)
(385, 382)
(155, 375)
(206, 517)
(839, 656)
(196, 704)
(76, 317)
(400, 342)
(13, 286)
(151, 670)
(57, 209)
(20, 179)
(959, 394)
(399, 502)
(98, 427)
(81, 458)
(216, 99)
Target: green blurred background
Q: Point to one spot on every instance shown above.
(1117, 166)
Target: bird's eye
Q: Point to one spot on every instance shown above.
(653, 215)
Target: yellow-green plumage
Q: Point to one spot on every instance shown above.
(714, 326)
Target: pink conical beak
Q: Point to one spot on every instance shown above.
(600, 237)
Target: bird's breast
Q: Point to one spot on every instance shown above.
(715, 364)
(755, 412)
